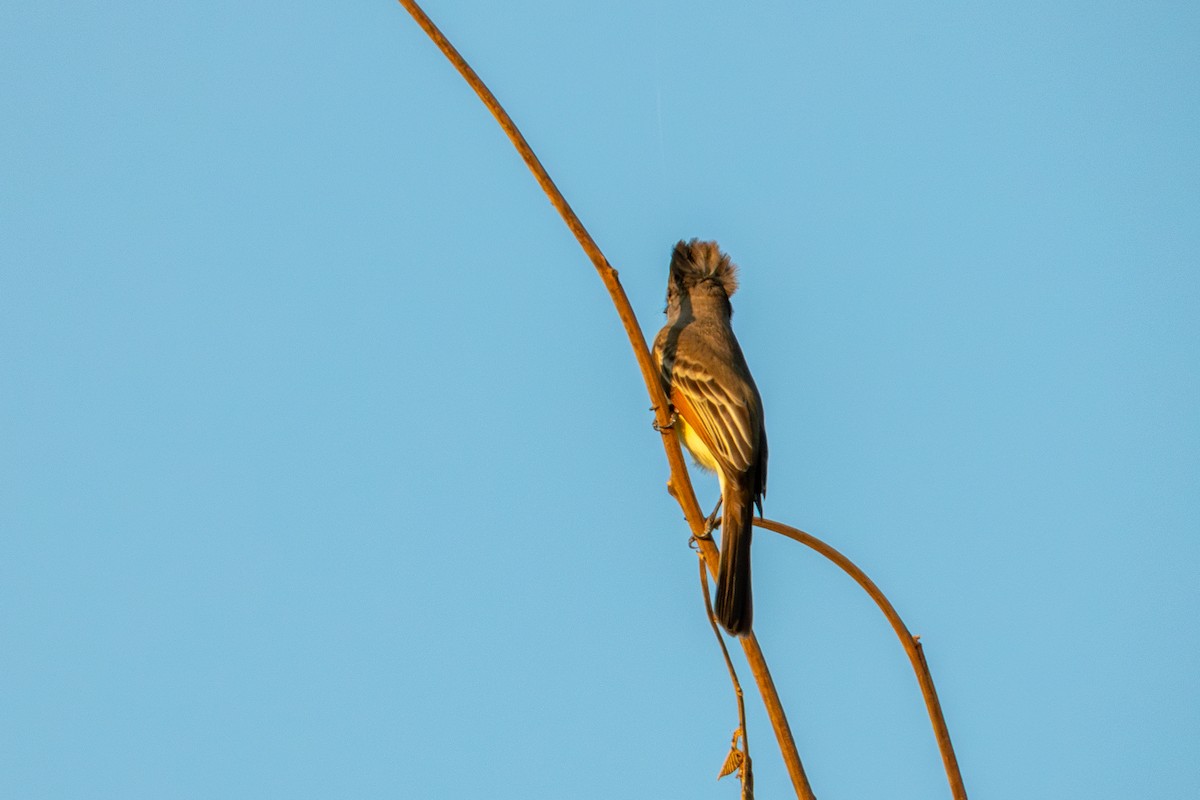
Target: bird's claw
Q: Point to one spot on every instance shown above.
(668, 426)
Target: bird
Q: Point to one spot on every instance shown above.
(718, 412)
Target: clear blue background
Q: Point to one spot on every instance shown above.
(326, 470)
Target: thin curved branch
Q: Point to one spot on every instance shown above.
(738, 759)
(679, 484)
(912, 645)
(607, 273)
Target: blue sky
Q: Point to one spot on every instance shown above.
(327, 471)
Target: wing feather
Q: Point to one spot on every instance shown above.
(726, 420)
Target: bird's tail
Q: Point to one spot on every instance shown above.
(735, 607)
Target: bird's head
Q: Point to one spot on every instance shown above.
(702, 278)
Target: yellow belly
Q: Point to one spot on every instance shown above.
(695, 445)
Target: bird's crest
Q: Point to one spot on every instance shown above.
(695, 262)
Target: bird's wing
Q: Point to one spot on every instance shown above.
(723, 415)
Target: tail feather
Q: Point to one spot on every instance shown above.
(735, 607)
